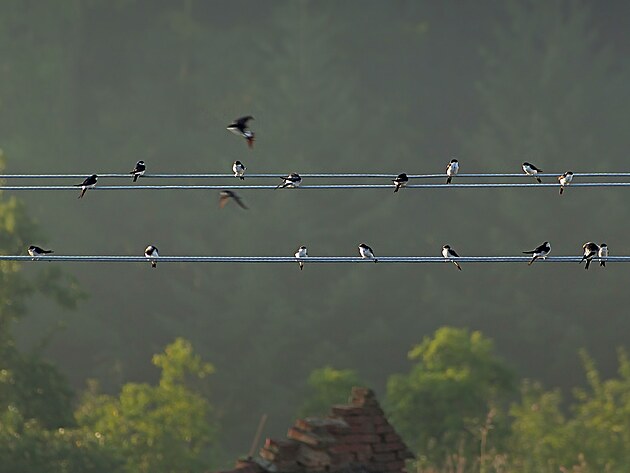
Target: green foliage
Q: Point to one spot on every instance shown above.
(164, 428)
(26, 446)
(328, 386)
(451, 394)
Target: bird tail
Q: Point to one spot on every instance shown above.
(83, 190)
(242, 178)
(532, 260)
(396, 187)
(375, 260)
(561, 189)
(457, 264)
(602, 263)
(448, 179)
(538, 179)
(301, 266)
(135, 177)
(154, 264)
(588, 263)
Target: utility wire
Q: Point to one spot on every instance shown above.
(308, 260)
(307, 175)
(322, 186)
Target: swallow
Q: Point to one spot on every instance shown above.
(451, 170)
(603, 254)
(239, 169)
(539, 252)
(449, 253)
(400, 181)
(301, 253)
(366, 252)
(151, 252)
(532, 171)
(88, 183)
(36, 251)
(239, 127)
(292, 181)
(138, 170)
(591, 250)
(565, 180)
(226, 195)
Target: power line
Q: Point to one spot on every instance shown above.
(308, 260)
(321, 186)
(307, 175)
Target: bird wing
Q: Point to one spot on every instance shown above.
(242, 122)
(454, 253)
(239, 201)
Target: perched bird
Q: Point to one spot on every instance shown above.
(36, 251)
(239, 127)
(591, 250)
(603, 254)
(138, 170)
(301, 253)
(366, 252)
(449, 253)
(400, 181)
(88, 183)
(292, 181)
(565, 180)
(539, 252)
(532, 170)
(226, 195)
(239, 169)
(451, 170)
(151, 252)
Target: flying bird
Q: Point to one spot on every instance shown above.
(603, 254)
(539, 252)
(565, 180)
(400, 181)
(226, 195)
(36, 251)
(151, 252)
(239, 169)
(532, 170)
(591, 250)
(292, 181)
(138, 170)
(449, 253)
(239, 127)
(88, 183)
(299, 254)
(451, 170)
(366, 252)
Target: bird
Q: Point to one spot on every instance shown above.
(400, 181)
(292, 181)
(591, 250)
(451, 170)
(565, 180)
(36, 251)
(449, 253)
(603, 254)
(88, 183)
(532, 170)
(151, 252)
(138, 170)
(239, 127)
(366, 252)
(239, 169)
(539, 252)
(226, 195)
(301, 253)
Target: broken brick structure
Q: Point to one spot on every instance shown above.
(353, 438)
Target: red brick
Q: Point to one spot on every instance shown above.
(384, 429)
(388, 447)
(363, 429)
(344, 410)
(284, 445)
(309, 438)
(350, 447)
(384, 457)
(393, 437)
(405, 455)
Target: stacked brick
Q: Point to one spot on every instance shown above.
(354, 437)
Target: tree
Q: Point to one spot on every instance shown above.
(164, 428)
(448, 400)
(328, 386)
